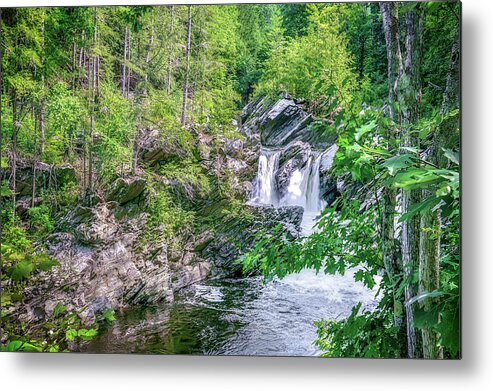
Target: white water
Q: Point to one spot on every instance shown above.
(303, 188)
(265, 189)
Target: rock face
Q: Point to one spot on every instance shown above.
(154, 150)
(104, 259)
(280, 122)
(328, 183)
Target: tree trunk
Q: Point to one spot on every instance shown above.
(91, 126)
(15, 128)
(74, 59)
(429, 261)
(409, 96)
(148, 59)
(93, 70)
(35, 159)
(391, 261)
(170, 53)
(129, 71)
(43, 99)
(185, 86)
(124, 71)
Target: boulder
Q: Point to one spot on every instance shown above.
(328, 183)
(155, 150)
(279, 122)
(125, 190)
(237, 236)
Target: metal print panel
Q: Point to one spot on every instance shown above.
(258, 179)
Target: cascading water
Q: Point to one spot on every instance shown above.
(314, 203)
(303, 188)
(265, 189)
(297, 187)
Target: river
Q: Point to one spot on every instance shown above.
(237, 317)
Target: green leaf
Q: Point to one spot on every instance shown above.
(28, 347)
(449, 329)
(13, 346)
(108, 315)
(21, 270)
(361, 131)
(70, 334)
(399, 162)
(451, 155)
(423, 296)
(420, 207)
(416, 178)
(426, 319)
(410, 149)
(16, 346)
(87, 334)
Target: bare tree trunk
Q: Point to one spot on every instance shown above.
(15, 128)
(43, 100)
(185, 86)
(42, 128)
(93, 68)
(170, 52)
(81, 64)
(391, 261)
(74, 59)
(97, 75)
(129, 71)
(148, 58)
(409, 95)
(35, 159)
(124, 72)
(91, 126)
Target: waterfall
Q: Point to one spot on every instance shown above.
(313, 201)
(303, 187)
(297, 188)
(265, 191)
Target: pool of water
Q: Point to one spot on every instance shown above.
(237, 317)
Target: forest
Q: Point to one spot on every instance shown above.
(184, 168)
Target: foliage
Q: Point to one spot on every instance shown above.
(59, 332)
(166, 217)
(368, 334)
(40, 219)
(315, 67)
